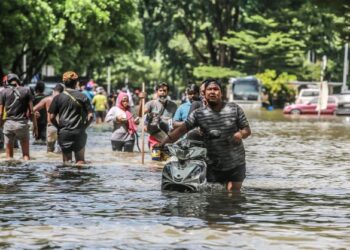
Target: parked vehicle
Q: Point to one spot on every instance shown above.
(244, 90)
(49, 86)
(306, 95)
(343, 108)
(310, 107)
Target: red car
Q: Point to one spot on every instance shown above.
(310, 107)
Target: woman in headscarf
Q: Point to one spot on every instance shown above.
(125, 124)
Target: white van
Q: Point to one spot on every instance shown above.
(307, 95)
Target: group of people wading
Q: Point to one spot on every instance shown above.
(69, 113)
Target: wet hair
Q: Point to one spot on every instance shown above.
(208, 81)
(39, 87)
(59, 88)
(161, 85)
(193, 88)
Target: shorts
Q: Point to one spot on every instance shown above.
(100, 114)
(51, 132)
(15, 130)
(72, 141)
(126, 146)
(235, 175)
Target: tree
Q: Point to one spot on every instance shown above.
(71, 34)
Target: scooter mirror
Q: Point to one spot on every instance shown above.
(214, 134)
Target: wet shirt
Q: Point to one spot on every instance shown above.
(16, 102)
(99, 101)
(155, 106)
(121, 132)
(72, 109)
(224, 151)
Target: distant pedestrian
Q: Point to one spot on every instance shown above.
(123, 137)
(159, 114)
(17, 101)
(192, 94)
(100, 103)
(44, 105)
(74, 116)
(41, 116)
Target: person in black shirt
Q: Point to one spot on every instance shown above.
(75, 115)
(40, 116)
(17, 102)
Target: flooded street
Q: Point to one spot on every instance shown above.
(295, 196)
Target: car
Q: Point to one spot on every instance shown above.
(310, 107)
(307, 95)
(343, 108)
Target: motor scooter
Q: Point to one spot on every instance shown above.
(186, 169)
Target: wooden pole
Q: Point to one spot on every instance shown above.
(142, 126)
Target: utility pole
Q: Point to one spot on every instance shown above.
(323, 96)
(24, 66)
(344, 87)
(109, 80)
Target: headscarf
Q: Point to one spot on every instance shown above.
(131, 124)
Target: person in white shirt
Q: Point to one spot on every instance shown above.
(125, 124)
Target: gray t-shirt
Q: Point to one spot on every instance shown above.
(155, 106)
(16, 102)
(228, 120)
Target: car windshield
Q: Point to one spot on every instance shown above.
(310, 93)
(330, 100)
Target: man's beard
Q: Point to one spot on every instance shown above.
(162, 98)
(212, 103)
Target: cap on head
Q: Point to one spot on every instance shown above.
(69, 75)
(13, 77)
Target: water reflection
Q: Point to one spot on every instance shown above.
(214, 208)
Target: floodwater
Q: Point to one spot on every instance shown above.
(295, 196)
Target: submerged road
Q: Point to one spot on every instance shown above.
(296, 195)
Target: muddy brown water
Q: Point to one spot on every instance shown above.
(295, 196)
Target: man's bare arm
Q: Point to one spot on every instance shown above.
(90, 118)
(53, 120)
(242, 134)
(246, 132)
(40, 105)
(1, 114)
(175, 135)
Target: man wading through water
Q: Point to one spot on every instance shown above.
(226, 153)
(51, 131)
(75, 115)
(17, 101)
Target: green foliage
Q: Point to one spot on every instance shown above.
(277, 86)
(176, 41)
(71, 34)
(134, 68)
(215, 72)
(275, 83)
(265, 46)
